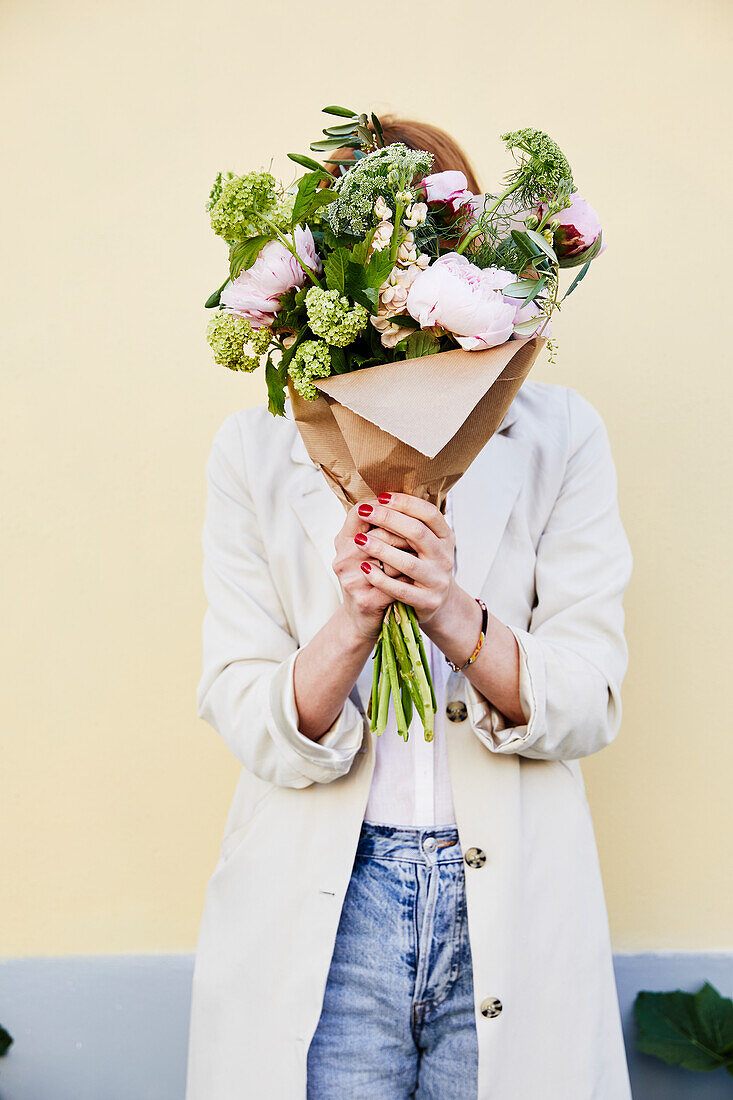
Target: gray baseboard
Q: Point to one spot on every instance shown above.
(115, 1027)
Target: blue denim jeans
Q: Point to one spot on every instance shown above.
(398, 1011)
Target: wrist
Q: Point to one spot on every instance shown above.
(352, 638)
(455, 628)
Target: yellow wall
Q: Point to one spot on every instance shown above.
(113, 793)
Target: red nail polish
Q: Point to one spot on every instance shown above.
(384, 498)
(366, 567)
(365, 510)
(360, 539)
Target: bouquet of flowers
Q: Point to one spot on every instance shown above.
(401, 313)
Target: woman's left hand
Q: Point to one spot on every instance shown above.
(424, 578)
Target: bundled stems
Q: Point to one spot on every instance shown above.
(401, 672)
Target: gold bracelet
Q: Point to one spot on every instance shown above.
(482, 635)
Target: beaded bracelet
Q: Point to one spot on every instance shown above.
(482, 635)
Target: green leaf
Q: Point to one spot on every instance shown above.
(421, 343)
(308, 162)
(244, 253)
(525, 243)
(581, 275)
(359, 285)
(341, 131)
(694, 1030)
(379, 132)
(213, 300)
(6, 1041)
(529, 328)
(335, 266)
(520, 289)
(343, 112)
(307, 187)
(323, 197)
(339, 364)
(332, 143)
(378, 268)
(276, 377)
(541, 243)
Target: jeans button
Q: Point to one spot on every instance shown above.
(490, 1007)
(457, 711)
(475, 857)
(430, 844)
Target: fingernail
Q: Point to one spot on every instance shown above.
(365, 509)
(366, 567)
(360, 539)
(384, 498)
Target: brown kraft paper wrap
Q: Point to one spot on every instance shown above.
(413, 426)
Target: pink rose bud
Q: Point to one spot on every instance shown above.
(450, 188)
(256, 293)
(579, 236)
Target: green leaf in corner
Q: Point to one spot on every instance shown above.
(418, 344)
(6, 1041)
(694, 1030)
(276, 377)
(244, 253)
(339, 364)
(378, 268)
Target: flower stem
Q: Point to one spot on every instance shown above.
(291, 249)
(478, 228)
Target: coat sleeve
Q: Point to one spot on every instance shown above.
(573, 657)
(246, 688)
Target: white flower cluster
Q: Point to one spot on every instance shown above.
(409, 263)
(388, 171)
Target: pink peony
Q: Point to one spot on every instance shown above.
(463, 299)
(576, 239)
(447, 187)
(256, 293)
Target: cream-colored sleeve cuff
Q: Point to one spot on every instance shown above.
(323, 760)
(490, 725)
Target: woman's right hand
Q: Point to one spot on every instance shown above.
(364, 604)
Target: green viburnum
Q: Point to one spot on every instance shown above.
(334, 317)
(311, 360)
(236, 202)
(386, 172)
(234, 342)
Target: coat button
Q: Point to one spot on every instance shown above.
(490, 1006)
(475, 857)
(457, 711)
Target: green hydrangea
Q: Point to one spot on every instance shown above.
(385, 172)
(236, 201)
(334, 317)
(311, 360)
(234, 342)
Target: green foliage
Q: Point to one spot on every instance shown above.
(693, 1030)
(542, 167)
(244, 253)
(421, 343)
(276, 375)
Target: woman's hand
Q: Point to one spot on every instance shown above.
(364, 604)
(411, 540)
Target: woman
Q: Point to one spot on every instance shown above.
(393, 919)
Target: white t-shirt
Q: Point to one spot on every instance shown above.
(411, 781)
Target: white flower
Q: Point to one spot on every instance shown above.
(415, 214)
(390, 332)
(407, 252)
(381, 209)
(382, 237)
(423, 261)
(288, 341)
(394, 298)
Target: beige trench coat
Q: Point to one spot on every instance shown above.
(540, 539)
